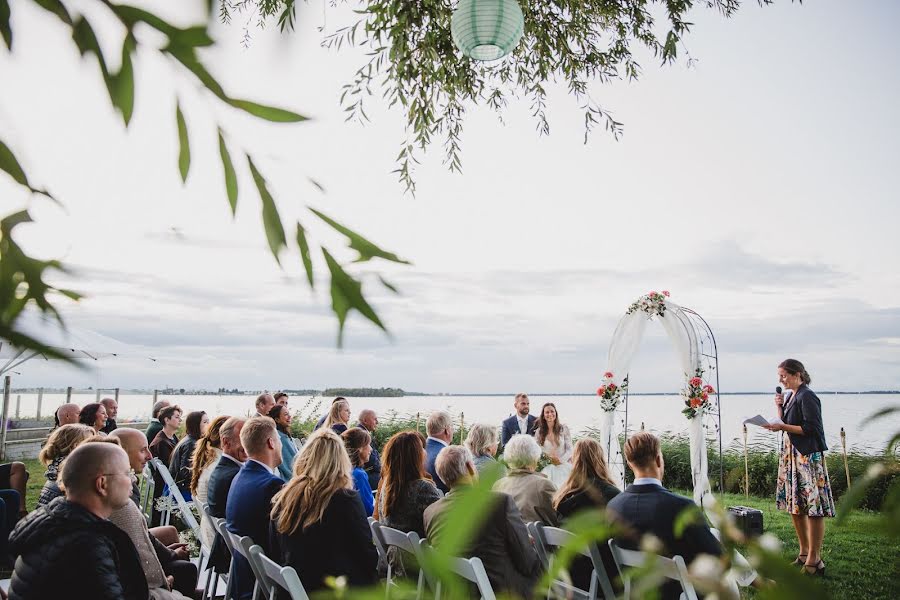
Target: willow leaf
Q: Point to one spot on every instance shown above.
(304, 254)
(5, 29)
(271, 218)
(346, 295)
(366, 249)
(268, 113)
(184, 146)
(231, 184)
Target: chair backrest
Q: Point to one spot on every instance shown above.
(472, 569)
(539, 546)
(146, 492)
(671, 568)
(277, 576)
(553, 537)
(186, 515)
(378, 539)
(242, 545)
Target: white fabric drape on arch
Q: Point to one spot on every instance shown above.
(622, 350)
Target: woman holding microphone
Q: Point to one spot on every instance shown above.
(804, 490)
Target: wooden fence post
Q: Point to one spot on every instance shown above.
(7, 382)
(846, 465)
(117, 395)
(40, 400)
(746, 466)
(68, 394)
(155, 395)
(18, 404)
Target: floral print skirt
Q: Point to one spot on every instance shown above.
(803, 484)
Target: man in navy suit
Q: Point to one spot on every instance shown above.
(250, 497)
(646, 507)
(220, 480)
(521, 422)
(439, 426)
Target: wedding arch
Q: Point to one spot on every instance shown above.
(695, 346)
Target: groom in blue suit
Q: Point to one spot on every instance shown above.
(250, 496)
(521, 422)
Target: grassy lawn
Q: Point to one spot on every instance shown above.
(863, 562)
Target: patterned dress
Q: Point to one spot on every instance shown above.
(803, 484)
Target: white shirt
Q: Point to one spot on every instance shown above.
(441, 442)
(264, 465)
(229, 457)
(523, 423)
(646, 481)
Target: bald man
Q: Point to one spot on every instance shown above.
(69, 545)
(67, 414)
(165, 560)
(368, 420)
(112, 411)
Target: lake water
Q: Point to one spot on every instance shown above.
(658, 413)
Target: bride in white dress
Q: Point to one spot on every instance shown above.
(556, 442)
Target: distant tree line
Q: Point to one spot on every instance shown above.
(368, 392)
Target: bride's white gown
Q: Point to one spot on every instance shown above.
(562, 450)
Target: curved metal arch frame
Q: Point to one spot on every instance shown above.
(698, 328)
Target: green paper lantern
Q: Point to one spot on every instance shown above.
(487, 29)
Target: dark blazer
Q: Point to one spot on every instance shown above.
(511, 428)
(110, 426)
(339, 544)
(220, 481)
(247, 513)
(432, 449)
(651, 508)
(596, 495)
(373, 465)
(502, 544)
(804, 409)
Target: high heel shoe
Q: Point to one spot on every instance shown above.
(818, 570)
(800, 560)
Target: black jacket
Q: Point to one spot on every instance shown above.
(64, 551)
(650, 508)
(339, 544)
(110, 426)
(181, 461)
(805, 409)
(216, 497)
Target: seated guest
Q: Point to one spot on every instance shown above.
(14, 476)
(647, 507)
(69, 548)
(318, 523)
(588, 487)
(281, 399)
(264, 403)
(220, 480)
(324, 417)
(405, 490)
(155, 424)
(67, 414)
(206, 456)
(161, 447)
(250, 496)
(282, 417)
(368, 420)
(195, 425)
(482, 443)
(521, 422)
(112, 411)
(501, 542)
(532, 492)
(93, 415)
(59, 445)
(439, 426)
(357, 441)
(338, 417)
(166, 565)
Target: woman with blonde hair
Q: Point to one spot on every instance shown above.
(588, 487)
(206, 456)
(318, 525)
(59, 445)
(338, 417)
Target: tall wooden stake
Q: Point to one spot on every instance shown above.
(746, 466)
(844, 446)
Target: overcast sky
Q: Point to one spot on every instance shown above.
(759, 186)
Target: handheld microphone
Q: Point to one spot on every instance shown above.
(777, 389)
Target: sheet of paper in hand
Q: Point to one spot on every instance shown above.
(761, 421)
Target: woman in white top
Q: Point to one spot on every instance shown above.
(556, 442)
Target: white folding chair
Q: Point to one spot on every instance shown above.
(276, 576)
(472, 570)
(186, 515)
(242, 545)
(551, 538)
(672, 568)
(146, 493)
(535, 537)
(219, 526)
(409, 542)
(212, 578)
